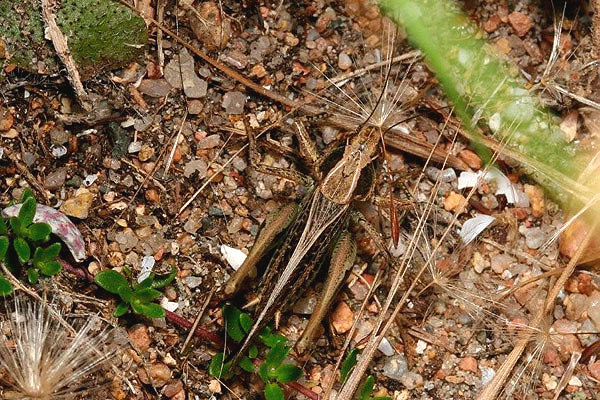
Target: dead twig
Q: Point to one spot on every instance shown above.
(62, 50)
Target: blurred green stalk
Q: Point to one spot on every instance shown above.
(487, 92)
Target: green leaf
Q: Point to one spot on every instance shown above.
(152, 310)
(32, 275)
(272, 340)
(16, 226)
(27, 212)
(121, 309)
(110, 281)
(39, 231)
(245, 322)
(27, 193)
(6, 287)
(288, 373)
(163, 280)
(3, 247)
(263, 371)
(51, 252)
(136, 306)
(232, 322)
(147, 295)
(217, 367)
(252, 351)
(22, 249)
(273, 392)
(246, 364)
(50, 268)
(277, 354)
(125, 293)
(364, 393)
(3, 227)
(349, 363)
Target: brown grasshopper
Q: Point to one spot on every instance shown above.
(313, 229)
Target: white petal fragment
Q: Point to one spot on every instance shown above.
(474, 226)
(234, 257)
(504, 186)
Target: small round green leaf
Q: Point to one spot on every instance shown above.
(146, 295)
(51, 252)
(6, 287)
(17, 227)
(125, 293)
(32, 275)
(22, 249)
(27, 212)
(245, 322)
(277, 354)
(288, 373)
(39, 231)
(50, 268)
(218, 367)
(110, 281)
(246, 364)
(252, 351)
(263, 371)
(273, 392)
(152, 310)
(232, 322)
(272, 339)
(121, 309)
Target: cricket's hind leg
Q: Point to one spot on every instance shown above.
(274, 225)
(342, 259)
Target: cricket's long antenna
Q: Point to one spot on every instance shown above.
(383, 91)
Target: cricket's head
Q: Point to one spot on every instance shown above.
(344, 181)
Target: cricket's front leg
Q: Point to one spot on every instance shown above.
(342, 259)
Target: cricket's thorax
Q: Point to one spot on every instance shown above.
(341, 181)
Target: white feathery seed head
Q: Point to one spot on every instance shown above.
(41, 359)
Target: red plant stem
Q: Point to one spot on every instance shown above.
(187, 325)
(303, 390)
(200, 332)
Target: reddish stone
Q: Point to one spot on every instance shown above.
(492, 23)
(520, 23)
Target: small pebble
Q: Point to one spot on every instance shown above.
(521, 23)
(233, 102)
(155, 87)
(395, 367)
(139, 336)
(79, 205)
(344, 61)
(342, 318)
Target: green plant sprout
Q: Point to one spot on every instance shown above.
(488, 94)
(21, 238)
(272, 370)
(138, 297)
(366, 389)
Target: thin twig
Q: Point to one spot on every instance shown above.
(62, 50)
(197, 320)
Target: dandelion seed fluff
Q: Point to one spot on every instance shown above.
(42, 360)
